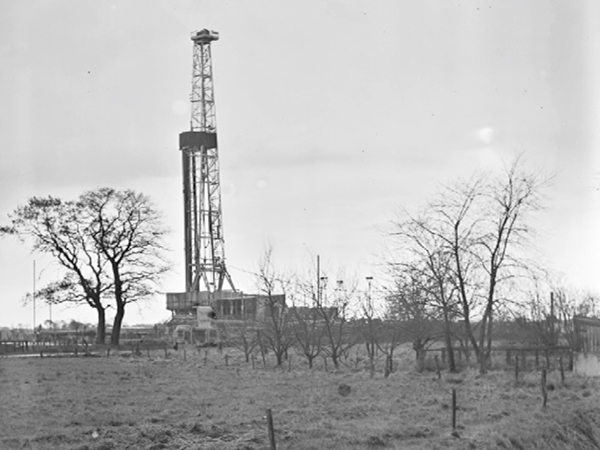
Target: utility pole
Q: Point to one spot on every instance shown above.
(369, 280)
(318, 281)
(33, 296)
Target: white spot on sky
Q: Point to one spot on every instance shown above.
(180, 107)
(486, 134)
(261, 183)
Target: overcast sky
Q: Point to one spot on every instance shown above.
(332, 115)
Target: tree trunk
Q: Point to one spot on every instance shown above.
(481, 353)
(488, 353)
(486, 325)
(448, 339)
(116, 331)
(101, 327)
(469, 329)
(464, 300)
(334, 358)
(117, 323)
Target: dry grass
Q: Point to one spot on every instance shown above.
(126, 402)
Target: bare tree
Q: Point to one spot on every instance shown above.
(392, 334)
(276, 321)
(334, 313)
(308, 332)
(109, 242)
(307, 326)
(481, 226)
(242, 335)
(508, 201)
(409, 314)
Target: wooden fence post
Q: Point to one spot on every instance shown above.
(562, 370)
(437, 368)
(253, 363)
(453, 409)
(544, 390)
(516, 370)
(226, 360)
(271, 429)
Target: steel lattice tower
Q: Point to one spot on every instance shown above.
(204, 244)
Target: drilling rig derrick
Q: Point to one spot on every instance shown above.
(210, 292)
(203, 224)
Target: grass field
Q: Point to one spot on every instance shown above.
(129, 402)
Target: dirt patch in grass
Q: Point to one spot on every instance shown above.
(168, 403)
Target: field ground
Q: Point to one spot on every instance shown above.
(136, 402)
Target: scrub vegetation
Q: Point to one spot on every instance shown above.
(210, 399)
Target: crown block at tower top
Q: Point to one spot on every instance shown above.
(205, 36)
(197, 139)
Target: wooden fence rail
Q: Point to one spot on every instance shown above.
(545, 354)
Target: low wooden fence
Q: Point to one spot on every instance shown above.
(532, 357)
(8, 347)
(75, 348)
(29, 347)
